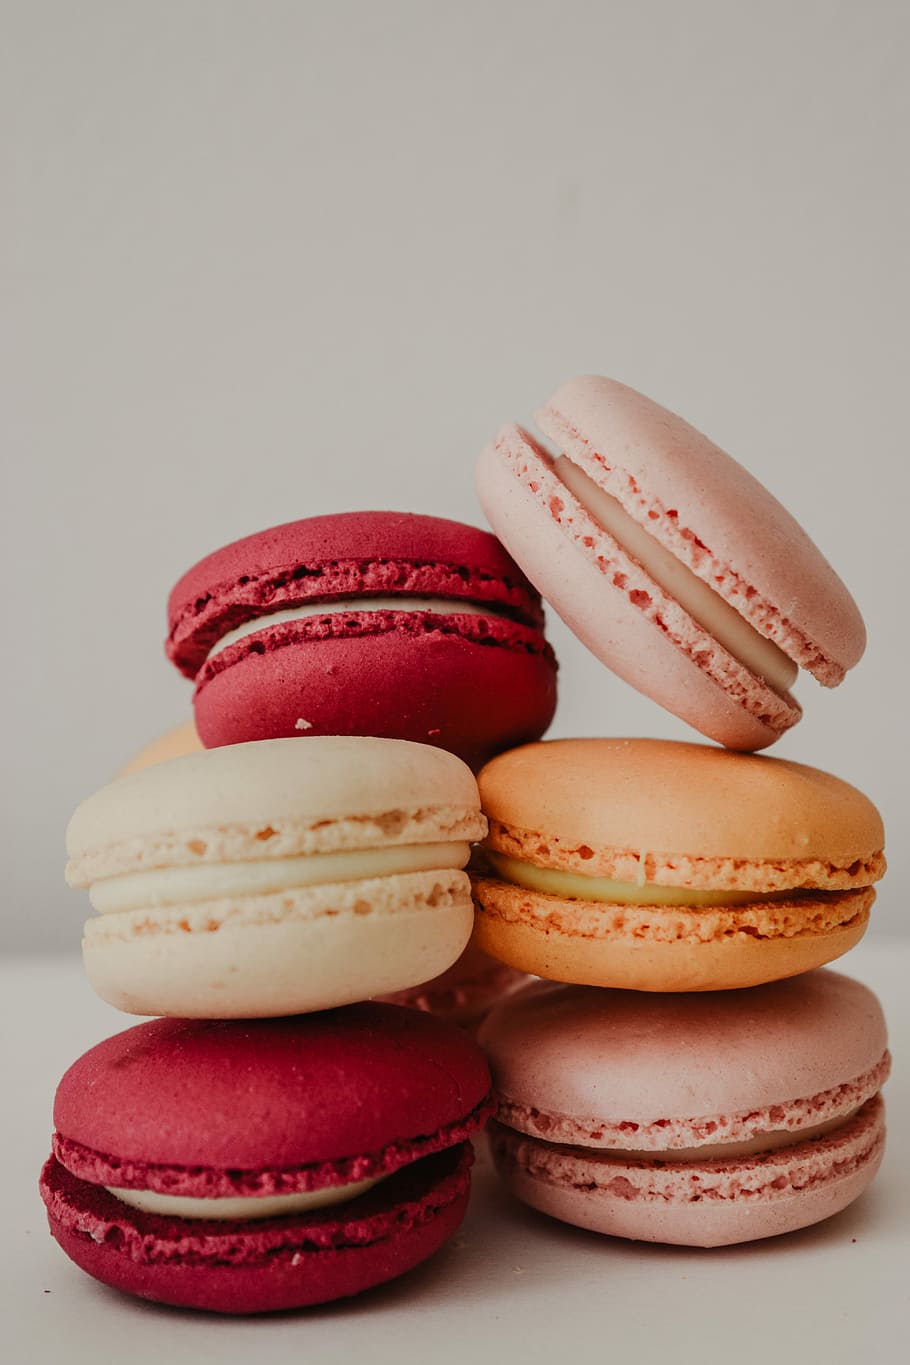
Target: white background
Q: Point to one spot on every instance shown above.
(270, 259)
(265, 259)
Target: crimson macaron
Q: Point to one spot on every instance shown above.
(177, 1116)
(675, 566)
(365, 623)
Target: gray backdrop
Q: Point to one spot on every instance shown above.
(269, 259)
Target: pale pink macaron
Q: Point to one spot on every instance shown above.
(467, 991)
(675, 566)
(700, 1120)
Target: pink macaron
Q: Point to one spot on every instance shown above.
(365, 623)
(244, 1167)
(701, 1120)
(467, 991)
(675, 566)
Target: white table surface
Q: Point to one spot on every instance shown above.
(513, 1284)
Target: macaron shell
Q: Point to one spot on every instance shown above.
(611, 620)
(634, 949)
(347, 792)
(292, 952)
(717, 1204)
(623, 1058)
(714, 515)
(404, 675)
(281, 1095)
(713, 806)
(265, 1266)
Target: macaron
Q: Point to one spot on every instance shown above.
(467, 991)
(669, 561)
(700, 1120)
(174, 743)
(365, 623)
(657, 866)
(276, 877)
(270, 1164)
(463, 993)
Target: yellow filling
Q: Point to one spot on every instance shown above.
(576, 886)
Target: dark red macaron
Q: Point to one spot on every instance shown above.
(365, 623)
(256, 1110)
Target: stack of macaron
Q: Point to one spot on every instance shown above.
(272, 1140)
(692, 1078)
(285, 883)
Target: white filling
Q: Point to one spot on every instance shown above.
(703, 604)
(439, 606)
(212, 881)
(269, 1206)
(720, 1151)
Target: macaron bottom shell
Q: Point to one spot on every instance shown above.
(632, 948)
(289, 953)
(434, 680)
(717, 1203)
(268, 1265)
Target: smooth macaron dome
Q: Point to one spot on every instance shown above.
(659, 866)
(675, 566)
(365, 623)
(266, 1164)
(276, 877)
(701, 1120)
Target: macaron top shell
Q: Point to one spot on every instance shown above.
(632, 1058)
(274, 1093)
(333, 792)
(713, 515)
(587, 798)
(350, 554)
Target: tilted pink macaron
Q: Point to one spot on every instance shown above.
(675, 566)
(244, 1167)
(701, 1120)
(365, 623)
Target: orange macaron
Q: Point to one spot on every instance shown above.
(657, 866)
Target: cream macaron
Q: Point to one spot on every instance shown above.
(659, 866)
(276, 877)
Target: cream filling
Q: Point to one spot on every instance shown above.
(214, 881)
(575, 886)
(722, 1151)
(269, 1206)
(439, 606)
(703, 604)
